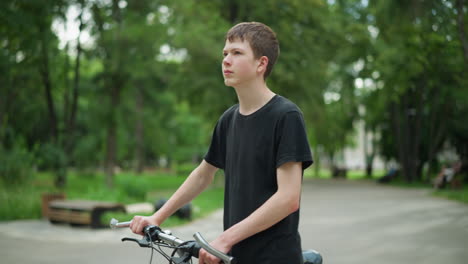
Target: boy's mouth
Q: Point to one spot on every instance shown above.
(227, 72)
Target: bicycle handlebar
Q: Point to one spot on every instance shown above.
(114, 223)
(154, 233)
(213, 251)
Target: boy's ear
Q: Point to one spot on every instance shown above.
(263, 64)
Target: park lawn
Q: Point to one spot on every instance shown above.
(460, 195)
(457, 195)
(23, 201)
(207, 202)
(351, 174)
(321, 174)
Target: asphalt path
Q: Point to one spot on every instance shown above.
(346, 221)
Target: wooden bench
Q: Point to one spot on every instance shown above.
(81, 212)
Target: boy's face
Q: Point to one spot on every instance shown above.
(239, 64)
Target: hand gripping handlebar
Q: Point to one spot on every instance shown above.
(172, 240)
(213, 251)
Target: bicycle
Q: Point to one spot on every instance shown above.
(156, 239)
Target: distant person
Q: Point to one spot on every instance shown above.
(261, 144)
(447, 175)
(391, 175)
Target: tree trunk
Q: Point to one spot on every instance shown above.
(139, 131)
(3, 111)
(111, 148)
(461, 28)
(6, 101)
(369, 150)
(115, 82)
(110, 156)
(331, 156)
(437, 123)
(416, 161)
(233, 11)
(66, 85)
(398, 128)
(407, 127)
(71, 120)
(44, 69)
(47, 83)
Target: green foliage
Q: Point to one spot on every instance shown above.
(129, 187)
(184, 169)
(134, 188)
(412, 109)
(16, 164)
(51, 157)
(208, 201)
(20, 201)
(321, 174)
(149, 87)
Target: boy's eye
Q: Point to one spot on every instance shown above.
(235, 52)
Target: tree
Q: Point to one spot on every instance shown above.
(420, 97)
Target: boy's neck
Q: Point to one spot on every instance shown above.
(252, 98)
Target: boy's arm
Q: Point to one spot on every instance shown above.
(197, 181)
(284, 202)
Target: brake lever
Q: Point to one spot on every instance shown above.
(184, 259)
(141, 242)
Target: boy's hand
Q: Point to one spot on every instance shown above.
(206, 258)
(139, 222)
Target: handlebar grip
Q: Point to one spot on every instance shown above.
(114, 223)
(213, 251)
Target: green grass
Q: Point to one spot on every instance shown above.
(405, 184)
(20, 202)
(457, 195)
(460, 195)
(207, 202)
(351, 174)
(23, 201)
(322, 173)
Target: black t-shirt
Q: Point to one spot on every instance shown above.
(249, 149)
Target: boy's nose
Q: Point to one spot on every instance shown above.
(227, 60)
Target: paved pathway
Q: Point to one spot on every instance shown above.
(366, 223)
(348, 222)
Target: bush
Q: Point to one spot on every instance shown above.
(52, 157)
(184, 169)
(19, 202)
(16, 164)
(134, 187)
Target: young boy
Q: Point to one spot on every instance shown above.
(261, 145)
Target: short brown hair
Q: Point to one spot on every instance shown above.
(262, 40)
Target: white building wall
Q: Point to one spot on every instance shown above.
(355, 157)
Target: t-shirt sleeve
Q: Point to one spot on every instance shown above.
(216, 152)
(292, 141)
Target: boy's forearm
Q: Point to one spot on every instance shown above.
(271, 212)
(197, 181)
